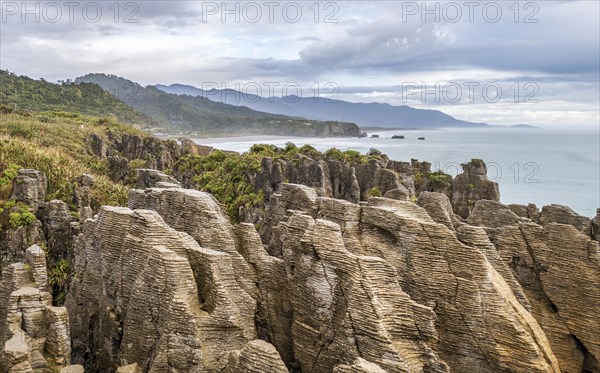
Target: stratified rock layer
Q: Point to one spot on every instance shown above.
(161, 300)
(387, 285)
(34, 336)
(481, 324)
(558, 267)
(256, 357)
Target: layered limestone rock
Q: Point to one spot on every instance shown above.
(531, 211)
(274, 313)
(148, 178)
(565, 215)
(462, 286)
(596, 226)
(81, 197)
(169, 284)
(28, 192)
(558, 269)
(331, 177)
(372, 175)
(359, 366)
(199, 214)
(439, 209)
(29, 187)
(121, 150)
(492, 214)
(56, 219)
(145, 293)
(190, 147)
(15, 242)
(130, 368)
(159, 154)
(73, 369)
(348, 306)
(472, 185)
(256, 357)
(482, 326)
(34, 336)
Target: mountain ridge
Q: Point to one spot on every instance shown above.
(201, 116)
(374, 114)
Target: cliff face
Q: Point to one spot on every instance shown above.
(329, 285)
(386, 285)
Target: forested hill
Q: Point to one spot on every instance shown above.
(199, 115)
(26, 94)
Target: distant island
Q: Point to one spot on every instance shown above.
(524, 126)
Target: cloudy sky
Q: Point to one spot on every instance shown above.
(501, 62)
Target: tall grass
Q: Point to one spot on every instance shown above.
(56, 144)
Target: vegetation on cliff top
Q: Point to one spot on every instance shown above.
(229, 176)
(20, 93)
(56, 144)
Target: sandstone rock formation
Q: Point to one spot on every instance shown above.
(564, 215)
(332, 281)
(472, 185)
(148, 178)
(256, 357)
(33, 334)
(136, 276)
(558, 269)
(29, 187)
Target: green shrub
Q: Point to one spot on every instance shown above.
(22, 217)
(309, 150)
(374, 192)
(9, 204)
(440, 179)
(227, 176)
(8, 174)
(418, 178)
(266, 150)
(58, 273)
(351, 156)
(60, 150)
(58, 277)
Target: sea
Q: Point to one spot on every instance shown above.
(538, 166)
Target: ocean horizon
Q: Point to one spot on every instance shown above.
(541, 166)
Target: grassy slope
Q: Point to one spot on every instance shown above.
(56, 143)
(27, 94)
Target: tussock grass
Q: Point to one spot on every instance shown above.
(56, 144)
